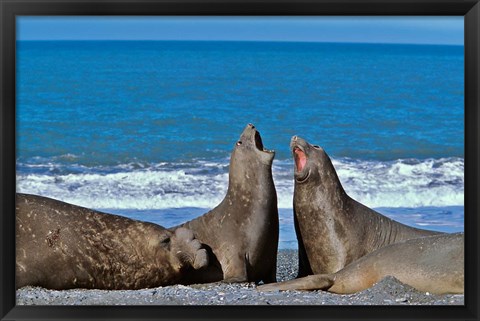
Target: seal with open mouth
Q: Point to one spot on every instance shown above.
(63, 246)
(242, 231)
(333, 230)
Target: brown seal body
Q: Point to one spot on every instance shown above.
(333, 230)
(63, 246)
(432, 264)
(242, 231)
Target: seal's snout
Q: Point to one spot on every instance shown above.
(297, 141)
(248, 132)
(201, 259)
(252, 137)
(293, 142)
(300, 150)
(189, 249)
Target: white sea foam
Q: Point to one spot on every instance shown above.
(401, 183)
(404, 183)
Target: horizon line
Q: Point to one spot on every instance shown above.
(253, 40)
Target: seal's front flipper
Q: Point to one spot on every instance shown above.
(311, 282)
(235, 269)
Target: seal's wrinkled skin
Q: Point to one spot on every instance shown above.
(432, 264)
(242, 231)
(333, 230)
(63, 246)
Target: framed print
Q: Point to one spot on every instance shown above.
(256, 160)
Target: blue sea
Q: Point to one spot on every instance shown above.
(145, 128)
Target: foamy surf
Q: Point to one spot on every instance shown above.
(399, 183)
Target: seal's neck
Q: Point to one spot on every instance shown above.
(323, 199)
(249, 175)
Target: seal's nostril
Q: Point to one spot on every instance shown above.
(295, 138)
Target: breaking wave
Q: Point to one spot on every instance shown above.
(399, 183)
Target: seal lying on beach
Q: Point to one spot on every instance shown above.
(241, 233)
(334, 230)
(63, 246)
(432, 264)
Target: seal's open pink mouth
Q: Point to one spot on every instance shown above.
(300, 159)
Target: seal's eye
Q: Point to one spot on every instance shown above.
(165, 241)
(239, 143)
(316, 146)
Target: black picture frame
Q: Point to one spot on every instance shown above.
(9, 9)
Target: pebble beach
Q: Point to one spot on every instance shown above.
(388, 291)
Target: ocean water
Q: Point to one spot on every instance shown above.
(145, 128)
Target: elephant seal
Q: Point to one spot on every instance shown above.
(241, 233)
(432, 264)
(333, 230)
(63, 246)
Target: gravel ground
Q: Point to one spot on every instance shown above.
(389, 291)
